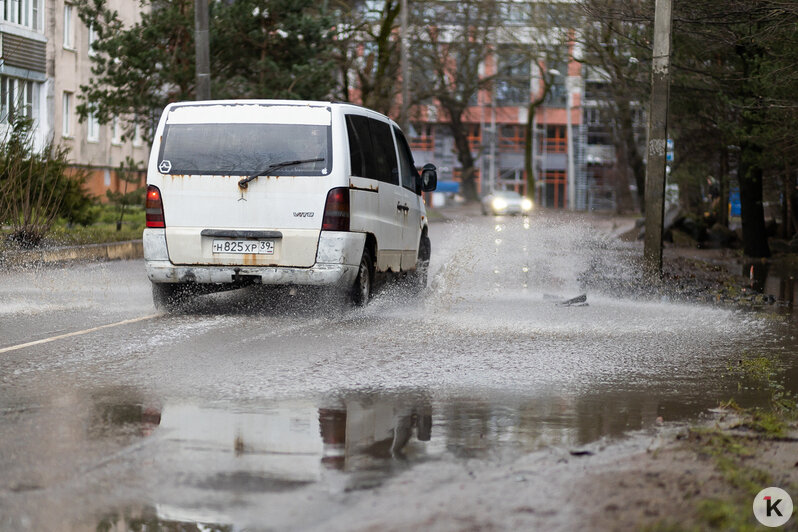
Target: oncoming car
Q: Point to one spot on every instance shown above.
(505, 202)
(282, 193)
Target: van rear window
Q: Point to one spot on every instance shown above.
(245, 149)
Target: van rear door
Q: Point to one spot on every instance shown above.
(204, 153)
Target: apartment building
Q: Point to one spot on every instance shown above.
(24, 81)
(496, 125)
(95, 147)
(45, 55)
(572, 148)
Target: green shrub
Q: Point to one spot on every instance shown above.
(36, 187)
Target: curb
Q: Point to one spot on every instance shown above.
(131, 249)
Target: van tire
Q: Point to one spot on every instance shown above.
(418, 278)
(169, 296)
(361, 289)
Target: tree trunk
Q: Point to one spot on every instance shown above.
(723, 177)
(529, 128)
(792, 199)
(633, 157)
(624, 202)
(785, 205)
(529, 168)
(755, 238)
(464, 155)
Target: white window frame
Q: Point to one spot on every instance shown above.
(6, 95)
(116, 137)
(92, 127)
(92, 39)
(17, 97)
(137, 139)
(36, 13)
(13, 11)
(69, 27)
(66, 115)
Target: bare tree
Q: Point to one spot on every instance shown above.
(615, 37)
(451, 42)
(368, 55)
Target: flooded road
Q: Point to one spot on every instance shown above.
(252, 411)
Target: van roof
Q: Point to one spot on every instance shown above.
(303, 103)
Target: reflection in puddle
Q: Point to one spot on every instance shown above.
(284, 446)
(776, 280)
(112, 417)
(212, 462)
(163, 517)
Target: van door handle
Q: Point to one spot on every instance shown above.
(400, 207)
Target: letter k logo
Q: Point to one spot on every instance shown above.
(773, 507)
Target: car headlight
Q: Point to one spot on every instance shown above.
(526, 204)
(499, 204)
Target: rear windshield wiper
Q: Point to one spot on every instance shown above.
(244, 182)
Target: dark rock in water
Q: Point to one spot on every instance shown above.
(580, 452)
(575, 301)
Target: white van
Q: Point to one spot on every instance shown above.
(281, 193)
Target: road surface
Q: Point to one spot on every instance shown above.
(251, 411)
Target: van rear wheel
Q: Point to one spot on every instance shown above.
(418, 277)
(361, 290)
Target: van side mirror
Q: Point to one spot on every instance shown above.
(429, 178)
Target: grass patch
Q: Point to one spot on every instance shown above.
(733, 452)
(725, 515)
(103, 230)
(93, 234)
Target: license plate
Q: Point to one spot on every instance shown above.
(261, 247)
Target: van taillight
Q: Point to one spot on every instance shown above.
(336, 210)
(154, 207)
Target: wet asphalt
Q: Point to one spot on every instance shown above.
(258, 410)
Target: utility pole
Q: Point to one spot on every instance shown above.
(569, 142)
(404, 119)
(657, 140)
(203, 52)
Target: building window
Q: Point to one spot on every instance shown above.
(555, 140)
(137, 140)
(116, 134)
(36, 23)
(555, 189)
(69, 29)
(66, 115)
(512, 137)
(92, 39)
(23, 12)
(514, 76)
(16, 99)
(421, 137)
(93, 129)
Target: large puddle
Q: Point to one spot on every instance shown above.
(197, 422)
